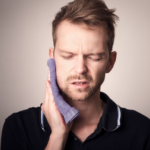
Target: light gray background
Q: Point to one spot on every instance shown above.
(25, 37)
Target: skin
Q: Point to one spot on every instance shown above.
(80, 54)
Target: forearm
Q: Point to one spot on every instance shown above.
(56, 142)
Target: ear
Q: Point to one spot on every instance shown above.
(51, 52)
(111, 62)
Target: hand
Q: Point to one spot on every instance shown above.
(52, 114)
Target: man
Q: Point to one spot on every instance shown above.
(83, 34)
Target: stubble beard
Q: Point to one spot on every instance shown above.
(82, 94)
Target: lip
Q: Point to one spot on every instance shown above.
(80, 81)
(80, 85)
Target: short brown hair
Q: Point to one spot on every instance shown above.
(89, 12)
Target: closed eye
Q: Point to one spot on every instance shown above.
(96, 58)
(93, 57)
(67, 57)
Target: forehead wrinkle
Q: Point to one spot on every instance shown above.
(82, 48)
(85, 50)
(85, 47)
(96, 47)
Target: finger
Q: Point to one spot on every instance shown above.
(48, 75)
(49, 91)
(46, 93)
(48, 87)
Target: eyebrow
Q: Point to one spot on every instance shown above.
(63, 51)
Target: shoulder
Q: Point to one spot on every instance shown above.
(134, 116)
(23, 119)
(135, 121)
(135, 128)
(26, 114)
(22, 130)
(19, 126)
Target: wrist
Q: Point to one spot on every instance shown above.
(60, 138)
(61, 131)
(60, 134)
(56, 138)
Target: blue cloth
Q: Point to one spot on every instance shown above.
(69, 113)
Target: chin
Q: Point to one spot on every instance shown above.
(79, 97)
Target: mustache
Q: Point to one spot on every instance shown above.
(80, 77)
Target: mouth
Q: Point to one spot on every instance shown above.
(80, 84)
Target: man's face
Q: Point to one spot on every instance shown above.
(81, 57)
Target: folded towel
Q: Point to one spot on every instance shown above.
(69, 113)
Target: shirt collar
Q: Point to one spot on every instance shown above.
(111, 118)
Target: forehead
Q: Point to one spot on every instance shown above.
(73, 36)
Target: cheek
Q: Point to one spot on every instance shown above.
(99, 73)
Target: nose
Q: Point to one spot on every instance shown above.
(81, 66)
